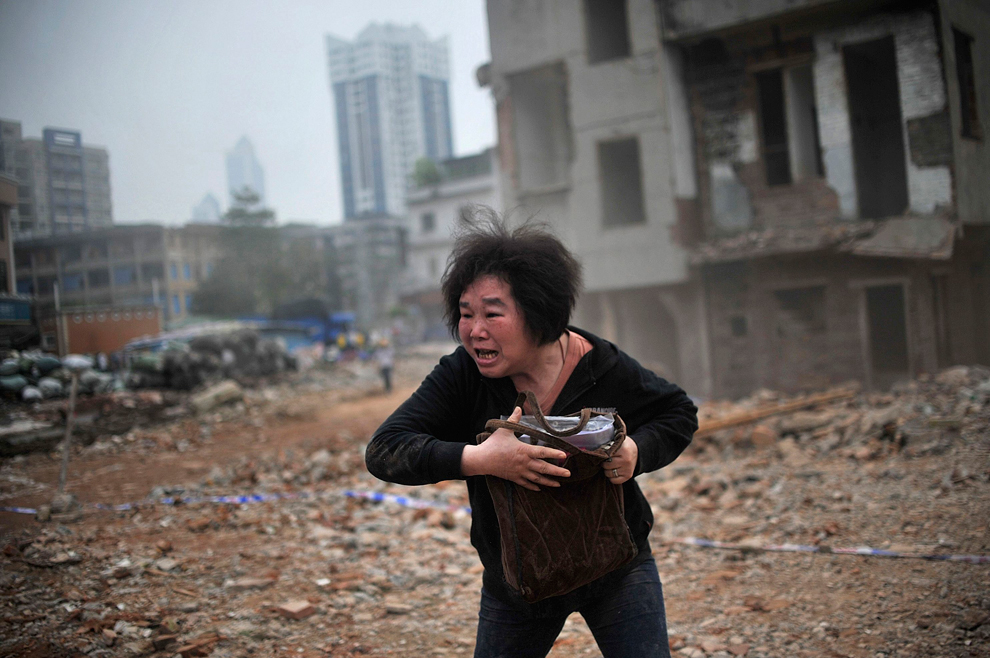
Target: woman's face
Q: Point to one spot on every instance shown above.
(492, 329)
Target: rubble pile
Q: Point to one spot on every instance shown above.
(306, 568)
(240, 355)
(920, 416)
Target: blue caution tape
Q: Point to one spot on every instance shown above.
(19, 510)
(405, 501)
(421, 503)
(376, 496)
(801, 548)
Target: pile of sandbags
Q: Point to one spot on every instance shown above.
(33, 376)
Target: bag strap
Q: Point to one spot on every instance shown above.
(519, 428)
(534, 404)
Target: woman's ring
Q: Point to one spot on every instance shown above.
(615, 472)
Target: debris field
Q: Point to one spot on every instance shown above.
(305, 563)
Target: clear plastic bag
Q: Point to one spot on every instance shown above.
(598, 432)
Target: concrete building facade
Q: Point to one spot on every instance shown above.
(391, 100)
(586, 146)
(827, 148)
(16, 326)
(8, 202)
(63, 184)
(369, 256)
(764, 194)
(434, 213)
(120, 266)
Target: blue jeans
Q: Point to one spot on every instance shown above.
(628, 621)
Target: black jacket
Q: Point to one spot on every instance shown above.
(422, 441)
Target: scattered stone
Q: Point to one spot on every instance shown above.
(763, 436)
(163, 642)
(220, 394)
(398, 608)
(63, 503)
(166, 564)
(296, 609)
(247, 583)
(973, 619)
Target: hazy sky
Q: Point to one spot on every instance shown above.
(169, 86)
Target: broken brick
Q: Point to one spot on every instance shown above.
(296, 609)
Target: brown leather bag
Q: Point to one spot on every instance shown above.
(560, 538)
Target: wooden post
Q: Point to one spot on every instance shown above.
(67, 442)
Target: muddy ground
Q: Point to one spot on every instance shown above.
(380, 578)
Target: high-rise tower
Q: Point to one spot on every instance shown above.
(390, 93)
(243, 171)
(64, 185)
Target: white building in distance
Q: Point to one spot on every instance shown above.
(243, 171)
(207, 211)
(435, 212)
(390, 95)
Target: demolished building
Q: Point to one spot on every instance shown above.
(764, 194)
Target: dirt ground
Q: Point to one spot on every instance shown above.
(209, 578)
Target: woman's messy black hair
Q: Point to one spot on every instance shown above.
(543, 276)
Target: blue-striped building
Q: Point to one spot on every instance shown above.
(391, 100)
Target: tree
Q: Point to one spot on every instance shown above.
(260, 270)
(426, 173)
(247, 210)
(251, 275)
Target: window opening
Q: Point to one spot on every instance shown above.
(622, 182)
(738, 325)
(802, 123)
(607, 30)
(541, 126)
(940, 308)
(776, 157)
(801, 311)
(98, 278)
(887, 322)
(877, 128)
(967, 84)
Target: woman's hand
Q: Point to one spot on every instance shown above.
(621, 466)
(505, 456)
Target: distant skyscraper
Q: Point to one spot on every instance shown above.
(64, 185)
(390, 91)
(243, 171)
(207, 211)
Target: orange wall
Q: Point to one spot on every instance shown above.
(109, 330)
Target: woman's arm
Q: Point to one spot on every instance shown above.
(660, 416)
(427, 439)
(422, 441)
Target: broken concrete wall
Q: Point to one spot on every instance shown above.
(736, 118)
(663, 327)
(802, 322)
(733, 188)
(683, 18)
(609, 108)
(610, 187)
(972, 154)
(923, 104)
